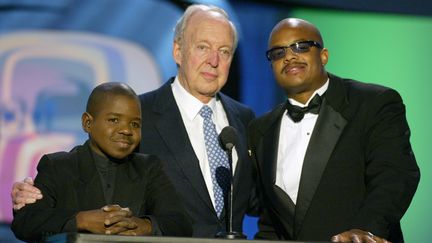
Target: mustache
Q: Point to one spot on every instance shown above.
(292, 64)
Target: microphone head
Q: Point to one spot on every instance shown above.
(228, 137)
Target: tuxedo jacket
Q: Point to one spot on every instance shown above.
(359, 170)
(164, 134)
(70, 183)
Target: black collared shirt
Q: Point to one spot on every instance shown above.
(107, 170)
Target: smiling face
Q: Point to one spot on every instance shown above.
(299, 74)
(204, 54)
(115, 126)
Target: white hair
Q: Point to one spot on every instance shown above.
(191, 10)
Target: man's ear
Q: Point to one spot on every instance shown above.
(86, 122)
(324, 56)
(177, 54)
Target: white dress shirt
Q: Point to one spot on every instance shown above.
(293, 142)
(189, 107)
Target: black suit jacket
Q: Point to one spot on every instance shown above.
(164, 134)
(70, 183)
(359, 170)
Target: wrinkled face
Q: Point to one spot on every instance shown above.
(115, 130)
(204, 54)
(301, 72)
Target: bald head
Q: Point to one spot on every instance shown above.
(106, 91)
(299, 25)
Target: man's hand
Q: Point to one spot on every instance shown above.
(118, 224)
(358, 236)
(144, 227)
(104, 220)
(118, 220)
(23, 192)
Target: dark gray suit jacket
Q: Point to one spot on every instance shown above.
(164, 134)
(70, 183)
(359, 170)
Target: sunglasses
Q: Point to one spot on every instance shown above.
(279, 52)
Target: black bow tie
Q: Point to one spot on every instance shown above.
(297, 113)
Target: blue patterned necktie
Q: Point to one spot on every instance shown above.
(218, 160)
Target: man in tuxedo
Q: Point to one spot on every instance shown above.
(334, 161)
(102, 186)
(173, 127)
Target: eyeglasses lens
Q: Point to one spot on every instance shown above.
(277, 53)
(301, 47)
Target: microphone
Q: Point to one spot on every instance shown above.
(228, 138)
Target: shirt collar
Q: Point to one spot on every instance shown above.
(189, 104)
(102, 163)
(319, 91)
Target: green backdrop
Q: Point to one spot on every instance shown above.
(395, 51)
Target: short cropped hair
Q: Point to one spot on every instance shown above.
(105, 91)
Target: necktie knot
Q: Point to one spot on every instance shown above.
(205, 112)
(297, 113)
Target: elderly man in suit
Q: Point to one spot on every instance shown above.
(174, 127)
(204, 45)
(334, 161)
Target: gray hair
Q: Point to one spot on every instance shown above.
(194, 8)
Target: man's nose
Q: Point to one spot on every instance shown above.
(289, 54)
(213, 58)
(125, 129)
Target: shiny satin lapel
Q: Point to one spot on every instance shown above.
(267, 153)
(327, 131)
(171, 128)
(268, 146)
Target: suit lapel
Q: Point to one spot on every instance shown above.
(172, 130)
(327, 131)
(89, 184)
(234, 121)
(270, 148)
(268, 151)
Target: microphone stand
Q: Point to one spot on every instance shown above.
(229, 233)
